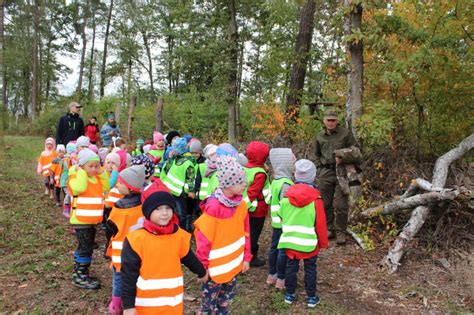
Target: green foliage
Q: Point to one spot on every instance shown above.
(376, 125)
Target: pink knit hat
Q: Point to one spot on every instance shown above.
(157, 136)
(229, 172)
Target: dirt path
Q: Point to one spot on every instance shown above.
(36, 258)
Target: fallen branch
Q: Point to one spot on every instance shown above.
(416, 185)
(359, 240)
(412, 202)
(392, 260)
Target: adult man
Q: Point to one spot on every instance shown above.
(109, 129)
(70, 126)
(333, 137)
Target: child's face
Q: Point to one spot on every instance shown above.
(92, 168)
(160, 144)
(197, 155)
(122, 188)
(109, 165)
(49, 147)
(60, 154)
(162, 215)
(123, 146)
(236, 190)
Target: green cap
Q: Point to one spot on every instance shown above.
(330, 114)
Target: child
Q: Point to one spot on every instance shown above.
(152, 278)
(82, 143)
(66, 163)
(157, 151)
(148, 164)
(206, 175)
(257, 194)
(56, 170)
(304, 231)
(44, 165)
(125, 214)
(139, 148)
(87, 183)
(222, 237)
(283, 164)
(112, 163)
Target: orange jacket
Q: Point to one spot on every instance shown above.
(45, 162)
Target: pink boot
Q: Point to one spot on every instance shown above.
(115, 305)
(67, 211)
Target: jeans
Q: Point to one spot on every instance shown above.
(181, 210)
(310, 275)
(116, 283)
(276, 257)
(256, 227)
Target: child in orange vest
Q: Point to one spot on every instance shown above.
(152, 279)
(56, 170)
(125, 214)
(87, 183)
(222, 236)
(44, 165)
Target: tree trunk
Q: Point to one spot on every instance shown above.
(298, 72)
(419, 215)
(35, 62)
(90, 91)
(355, 76)
(117, 112)
(159, 115)
(232, 84)
(150, 63)
(84, 48)
(4, 107)
(131, 108)
(48, 76)
(104, 57)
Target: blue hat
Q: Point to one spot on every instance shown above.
(188, 137)
(179, 145)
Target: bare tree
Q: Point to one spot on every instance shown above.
(233, 68)
(34, 61)
(3, 68)
(84, 48)
(90, 91)
(104, 56)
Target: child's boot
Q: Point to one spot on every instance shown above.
(67, 211)
(51, 194)
(115, 305)
(81, 278)
(280, 284)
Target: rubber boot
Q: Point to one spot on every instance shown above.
(67, 211)
(115, 305)
(81, 278)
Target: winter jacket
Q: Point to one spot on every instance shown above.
(91, 132)
(257, 153)
(70, 127)
(300, 195)
(105, 134)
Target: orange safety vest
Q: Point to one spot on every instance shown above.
(89, 206)
(46, 162)
(160, 283)
(112, 197)
(123, 219)
(227, 237)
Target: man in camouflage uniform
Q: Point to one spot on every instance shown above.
(331, 138)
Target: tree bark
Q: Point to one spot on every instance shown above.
(84, 48)
(35, 62)
(419, 215)
(104, 56)
(355, 76)
(232, 84)
(150, 62)
(298, 72)
(90, 91)
(159, 115)
(4, 107)
(117, 112)
(131, 108)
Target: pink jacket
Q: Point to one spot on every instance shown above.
(214, 208)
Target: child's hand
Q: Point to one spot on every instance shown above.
(191, 195)
(246, 267)
(204, 279)
(114, 167)
(130, 311)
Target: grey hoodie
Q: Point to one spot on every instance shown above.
(283, 164)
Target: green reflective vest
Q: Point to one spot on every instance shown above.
(250, 174)
(297, 227)
(275, 189)
(154, 154)
(175, 180)
(208, 184)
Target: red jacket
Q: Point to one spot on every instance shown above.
(91, 132)
(257, 153)
(301, 195)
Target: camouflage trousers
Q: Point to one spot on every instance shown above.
(336, 203)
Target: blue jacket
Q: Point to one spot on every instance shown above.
(105, 134)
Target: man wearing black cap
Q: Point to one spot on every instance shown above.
(70, 126)
(331, 138)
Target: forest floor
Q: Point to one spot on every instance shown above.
(36, 259)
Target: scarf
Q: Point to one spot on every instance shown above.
(159, 230)
(229, 202)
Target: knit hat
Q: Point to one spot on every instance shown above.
(188, 137)
(114, 158)
(169, 137)
(87, 155)
(111, 115)
(146, 162)
(209, 150)
(133, 177)
(94, 148)
(242, 159)
(146, 148)
(179, 145)
(195, 146)
(83, 141)
(226, 149)
(229, 172)
(305, 171)
(140, 142)
(70, 147)
(60, 148)
(103, 152)
(283, 162)
(50, 140)
(155, 200)
(157, 136)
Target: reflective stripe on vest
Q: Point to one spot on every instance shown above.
(298, 227)
(160, 301)
(250, 174)
(275, 189)
(227, 237)
(112, 197)
(89, 206)
(175, 179)
(157, 284)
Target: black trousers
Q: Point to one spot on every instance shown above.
(85, 241)
(256, 227)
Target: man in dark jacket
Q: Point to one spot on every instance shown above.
(70, 126)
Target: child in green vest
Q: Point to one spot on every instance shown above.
(283, 164)
(304, 231)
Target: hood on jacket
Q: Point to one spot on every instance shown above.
(257, 153)
(283, 162)
(301, 195)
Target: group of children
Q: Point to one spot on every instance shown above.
(150, 202)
